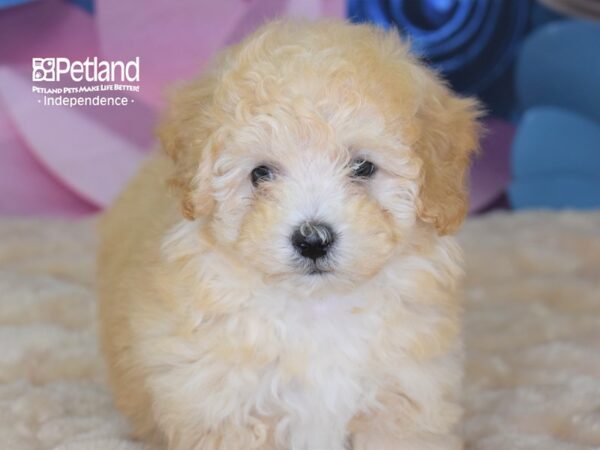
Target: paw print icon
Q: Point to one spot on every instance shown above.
(43, 69)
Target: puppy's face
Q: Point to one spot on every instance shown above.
(301, 195)
(314, 151)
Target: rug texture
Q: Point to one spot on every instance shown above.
(532, 331)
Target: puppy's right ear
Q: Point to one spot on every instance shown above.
(184, 133)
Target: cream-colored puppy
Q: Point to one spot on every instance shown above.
(280, 276)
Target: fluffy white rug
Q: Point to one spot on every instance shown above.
(533, 336)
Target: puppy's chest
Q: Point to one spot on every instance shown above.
(324, 352)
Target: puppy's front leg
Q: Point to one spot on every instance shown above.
(429, 420)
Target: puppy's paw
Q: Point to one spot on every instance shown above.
(253, 436)
(422, 441)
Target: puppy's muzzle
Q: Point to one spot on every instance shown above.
(313, 240)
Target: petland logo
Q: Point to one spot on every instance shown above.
(90, 70)
(91, 82)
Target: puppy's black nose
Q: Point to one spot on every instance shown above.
(312, 240)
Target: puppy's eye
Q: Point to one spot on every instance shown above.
(361, 168)
(261, 173)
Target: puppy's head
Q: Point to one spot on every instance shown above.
(317, 149)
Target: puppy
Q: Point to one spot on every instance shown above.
(280, 275)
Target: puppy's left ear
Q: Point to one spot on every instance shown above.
(449, 137)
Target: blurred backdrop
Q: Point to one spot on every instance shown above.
(534, 64)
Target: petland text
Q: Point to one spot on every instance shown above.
(90, 70)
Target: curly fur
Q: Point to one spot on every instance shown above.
(216, 338)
